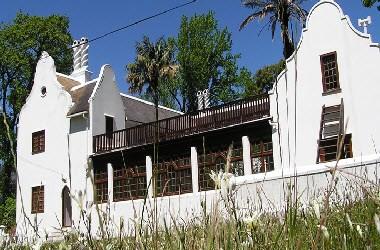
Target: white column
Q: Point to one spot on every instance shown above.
(246, 155)
(194, 169)
(149, 174)
(90, 185)
(110, 181)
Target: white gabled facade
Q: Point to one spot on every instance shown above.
(74, 110)
(50, 168)
(299, 89)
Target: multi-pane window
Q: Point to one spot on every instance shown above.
(216, 161)
(330, 73)
(262, 155)
(38, 197)
(329, 148)
(173, 176)
(129, 183)
(101, 184)
(38, 142)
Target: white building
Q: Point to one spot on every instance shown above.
(74, 131)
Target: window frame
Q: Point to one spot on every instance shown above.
(133, 175)
(38, 203)
(262, 154)
(178, 166)
(107, 119)
(324, 86)
(39, 145)
(333, 147)
(101, 184)
(211, 161)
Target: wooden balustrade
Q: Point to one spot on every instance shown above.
(237, 112)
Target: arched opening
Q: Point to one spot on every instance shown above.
(66, 208)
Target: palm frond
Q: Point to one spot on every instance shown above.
(250, 18)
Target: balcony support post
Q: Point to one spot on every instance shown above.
(110, 181)
(149, 175)
(246, 155)
(194, 169)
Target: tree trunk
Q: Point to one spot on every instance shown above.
(156, 137)
(287, 42)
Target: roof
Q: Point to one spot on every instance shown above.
(67, 82)
(139, 111)
(79, 95)
(80, 98)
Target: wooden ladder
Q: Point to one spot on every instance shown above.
(331, 132)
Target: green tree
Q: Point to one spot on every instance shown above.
(205, 61)
(370, 3)
(8, 213)
(263, 79)
(154, 64)
(280, 12)
(21, 45)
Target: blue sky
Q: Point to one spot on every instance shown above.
(94, 18)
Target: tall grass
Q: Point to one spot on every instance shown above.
(350, 222)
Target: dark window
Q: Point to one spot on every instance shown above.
(38, 142)
(173, 176)
(101, 183)
(216, 160)
(262, 155)
(328, 148)
(331, 134)
(66, 208)
(129, 183)
(38, 197)
(109, 125)
(330, 73)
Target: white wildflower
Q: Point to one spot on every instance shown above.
(36, 245)
(224, 181)
(324, 231)
(217, 178)
(316, 209)
(252, 221)
(377, 222)
(349, 222)
(359, 229)
(227, 183)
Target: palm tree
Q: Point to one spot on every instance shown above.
(153, 64)
(279, 12)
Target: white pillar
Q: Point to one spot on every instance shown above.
(246, 155)
(194, 169)
(149, 175)
(110, 181)
(90, 185)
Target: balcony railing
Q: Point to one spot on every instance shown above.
(176, 127)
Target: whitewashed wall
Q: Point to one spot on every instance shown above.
(106, 100)
(255, 193)
(49, 168)
(299, 88)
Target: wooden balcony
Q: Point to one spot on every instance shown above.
(217, 117)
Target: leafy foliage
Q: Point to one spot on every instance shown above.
(280, 12)
(21, 44)
(153, 64)
(206, 61)
(370, 3)
(8, 213)
(263, 79)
